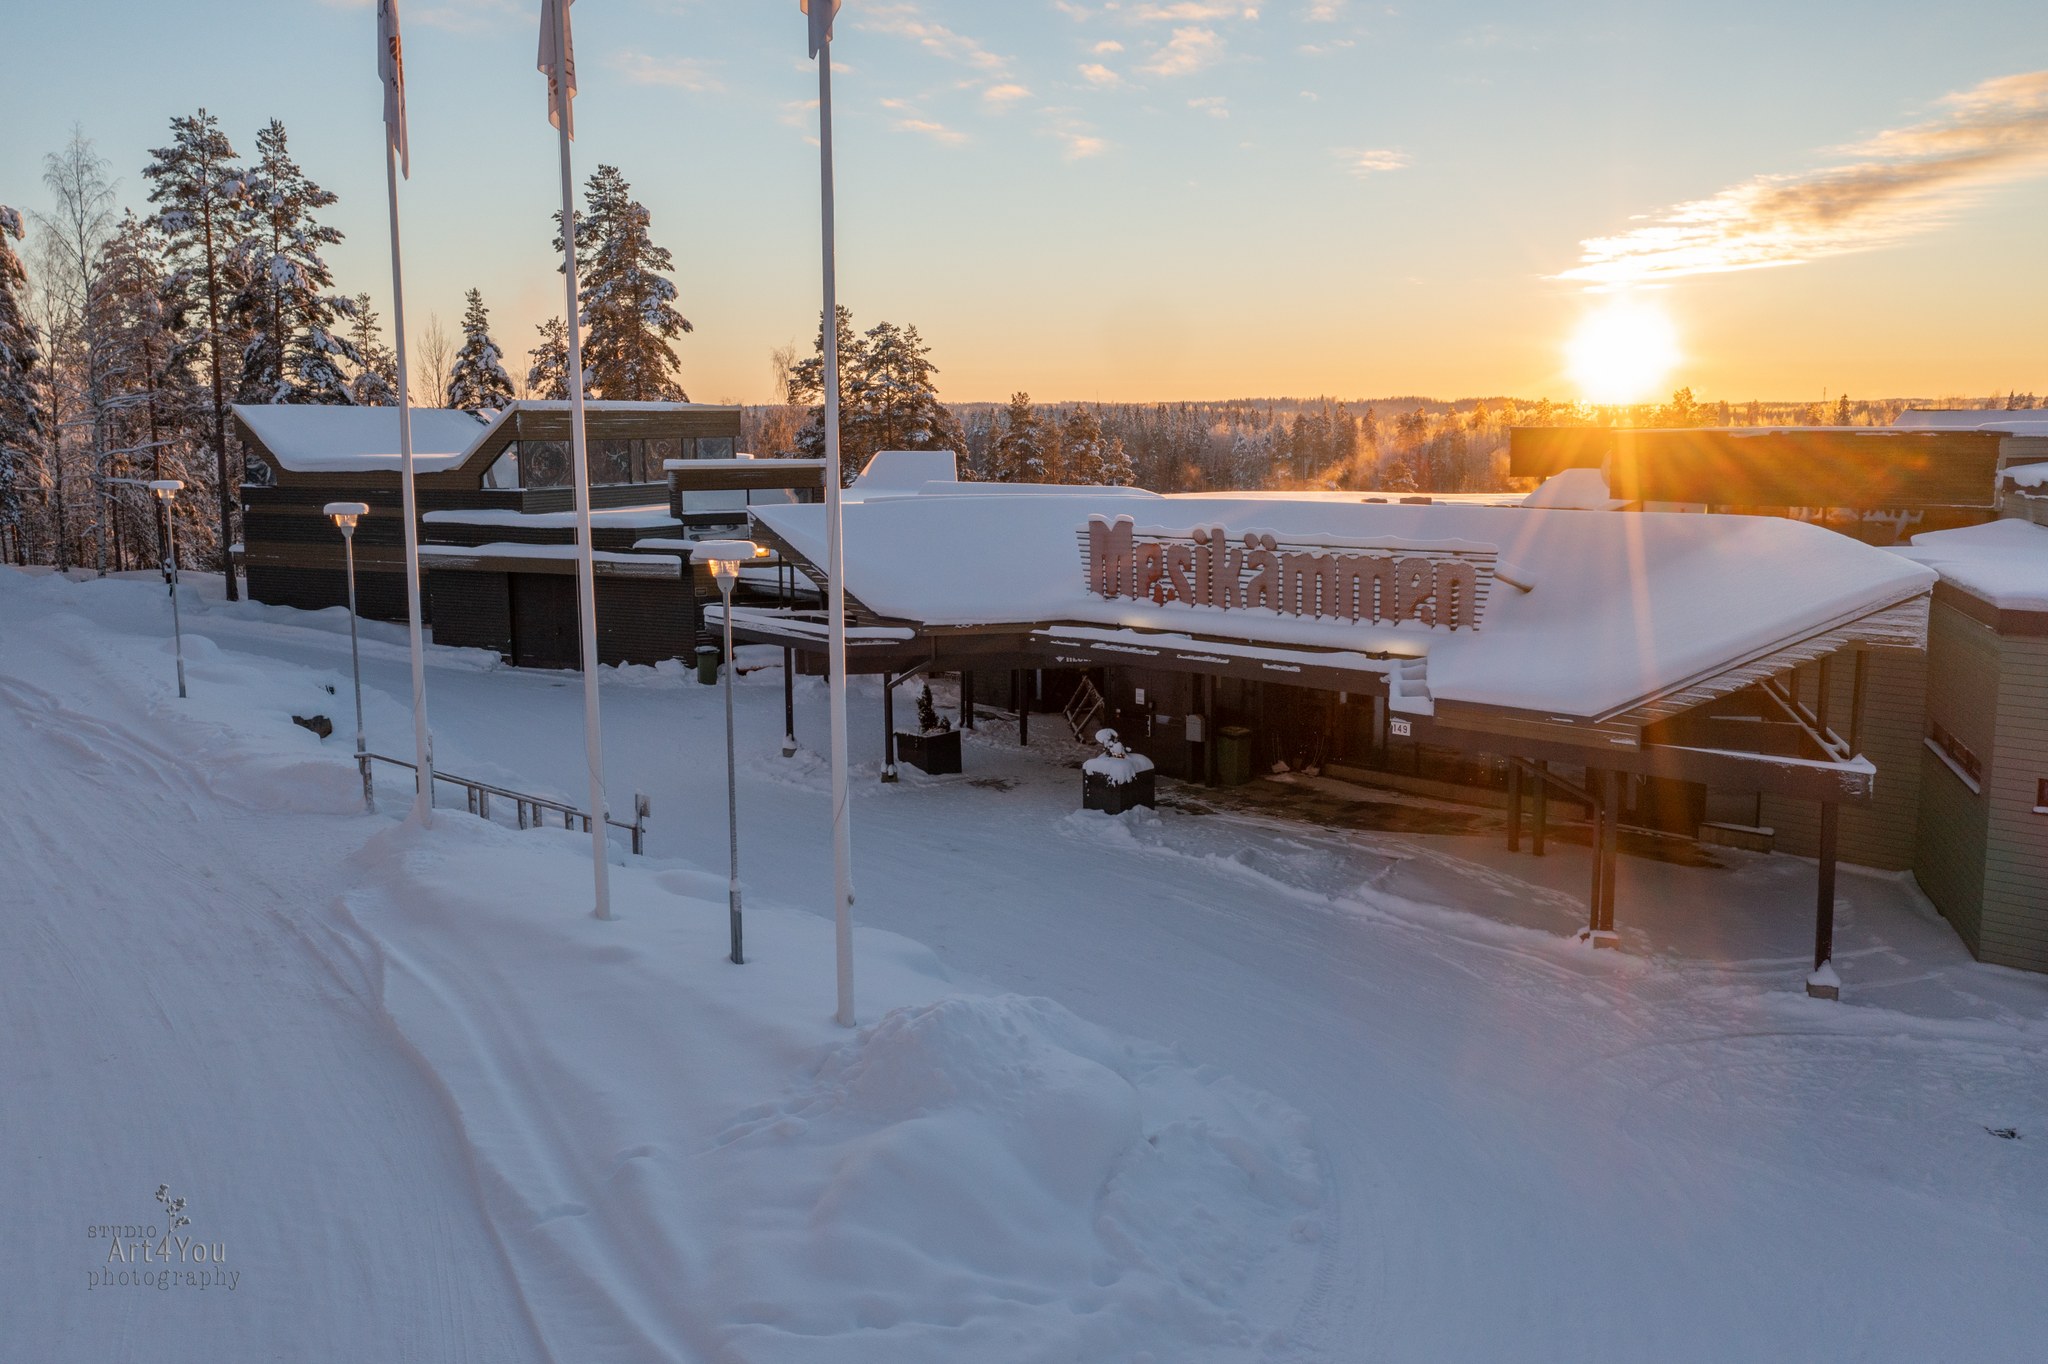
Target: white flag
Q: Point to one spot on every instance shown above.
(558, 60)
(391, 67)
(822, 13)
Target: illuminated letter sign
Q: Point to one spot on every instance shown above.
(1440, 584)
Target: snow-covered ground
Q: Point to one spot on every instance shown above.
(1173, 1085)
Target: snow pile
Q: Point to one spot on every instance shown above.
(1119, 770)
(2028, 475)
(686, 1158)
(1574, 490)
(2002, 562)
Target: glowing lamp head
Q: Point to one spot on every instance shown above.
(345, 514)
(725, 558)
(166, 488)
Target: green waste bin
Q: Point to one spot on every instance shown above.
(707, 664)
(1233, 755)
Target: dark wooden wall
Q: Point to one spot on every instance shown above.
(1820, 467)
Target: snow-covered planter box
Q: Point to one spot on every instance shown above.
(1116, 779)
(934, 747)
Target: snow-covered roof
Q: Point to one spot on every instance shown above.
(2029, 476)
(2001, 562)
(1620, 607)
(316, 438)
(2018, 423)
(907, 470)
(622, 518)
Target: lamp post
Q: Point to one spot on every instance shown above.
(725, 558)
(345, 514)
(166, 489)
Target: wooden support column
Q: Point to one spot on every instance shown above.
(967, 698)
(1539, 822)
(1514, 806)
(1823, 695)
(1208, 686)
(1823, 984)
(1856, 704)
(888, 726)
(1023, 707)
(788, 702)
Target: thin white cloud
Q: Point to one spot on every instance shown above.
(1190, 50)
(471, 16)
(1107, 46)
(1323, 11)
(1080, 145)
(1072, 11)
(1215, 106)
(1326, 47)
(906, 21)
(1192, 11)
(683, 73)
(1095, 73)
(932, 129)
(1902, 182)
(1366, 161)
(1001, 96)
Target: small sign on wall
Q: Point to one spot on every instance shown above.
(1400, 729)
(1194, 729)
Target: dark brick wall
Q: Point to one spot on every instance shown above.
(471, 610)
(644, 621)
(379, 596)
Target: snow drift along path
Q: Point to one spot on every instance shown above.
(677, 1158)
(171, 1019)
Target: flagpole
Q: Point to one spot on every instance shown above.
(586, 579)
(423, 747)
(835, 563)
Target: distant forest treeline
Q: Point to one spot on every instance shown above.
(1407, 443)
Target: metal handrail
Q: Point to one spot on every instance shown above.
(532, 810)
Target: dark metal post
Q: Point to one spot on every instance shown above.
(888, 726)
(1824, 908)
(788, 702)
(1514, 805)
(177, 627)
(967, 698)
(727, 572)
(1599, 845)
(1539, 823)
(1822, 696)
(355, 660)
(1610, 797)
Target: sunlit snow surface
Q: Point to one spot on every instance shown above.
(436, 1110)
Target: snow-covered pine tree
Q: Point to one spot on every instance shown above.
(548, 376)
(1083, 452)
(375, 382)
(1019, 455)
(478, 383)
(198, 183)
(628, 304)
(1116, 464)
(807, 387)
(900, 407)
(294, 353)
(20, 431)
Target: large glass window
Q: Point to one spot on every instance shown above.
(611, 461)
(546, 463)
(504, 470)
(714, 447)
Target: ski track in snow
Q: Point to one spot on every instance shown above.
(1528, 1150)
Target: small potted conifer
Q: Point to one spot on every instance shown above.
(1116, 779)
(935, 746)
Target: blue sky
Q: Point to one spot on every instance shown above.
(1167, 200)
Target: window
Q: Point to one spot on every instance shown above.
(1961, 760)
(504, 470)
(714, 447)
